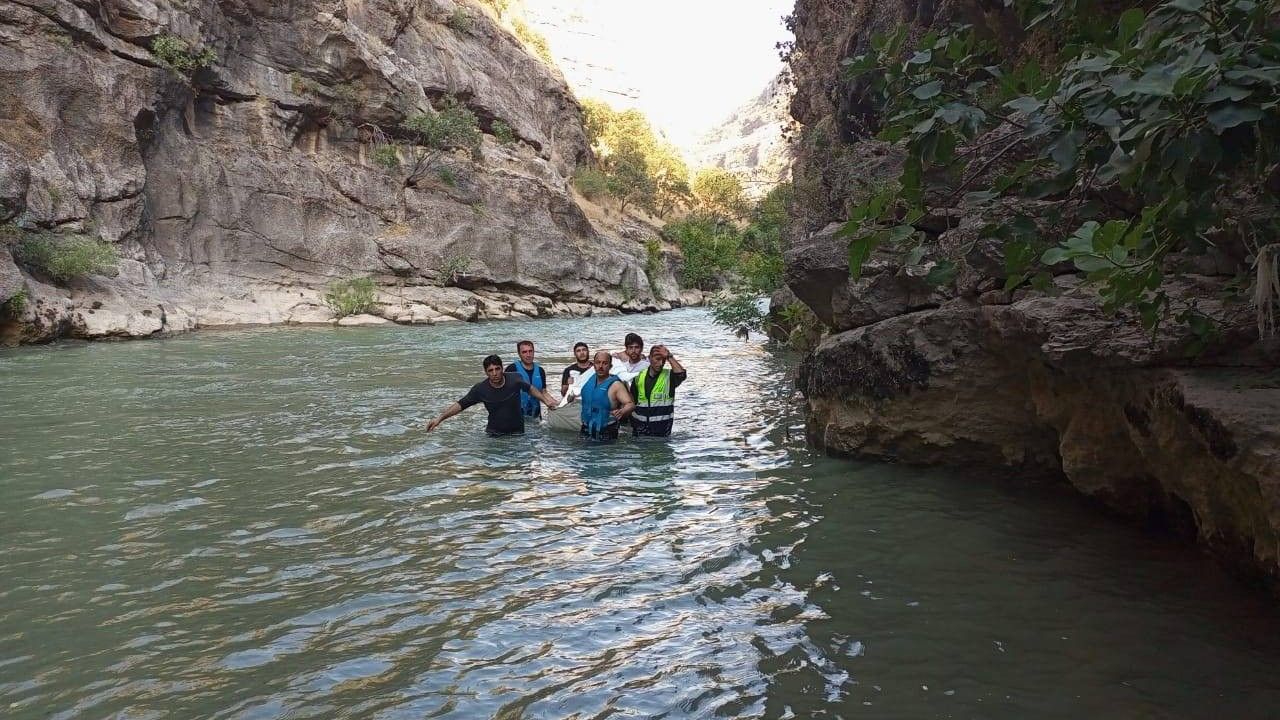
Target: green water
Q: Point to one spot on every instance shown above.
(252, 524)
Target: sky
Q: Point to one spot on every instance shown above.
(687, 63)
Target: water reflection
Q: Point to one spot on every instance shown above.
(253, 525)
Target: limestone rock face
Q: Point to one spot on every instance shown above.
(1023, 383)
(752, 141)
(238, 192)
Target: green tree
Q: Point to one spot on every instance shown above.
(644, 169)
(423, 139)
(719, 192)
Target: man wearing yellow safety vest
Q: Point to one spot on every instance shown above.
(655, 393)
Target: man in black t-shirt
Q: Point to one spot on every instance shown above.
(569, 378)
(500, 393)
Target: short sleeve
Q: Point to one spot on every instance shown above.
(471, 398)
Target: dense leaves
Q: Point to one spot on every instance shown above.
(1145, 126)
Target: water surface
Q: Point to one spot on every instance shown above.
(252, 524)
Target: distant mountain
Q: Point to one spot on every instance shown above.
(752, 140)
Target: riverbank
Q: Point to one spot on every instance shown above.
(133, 306)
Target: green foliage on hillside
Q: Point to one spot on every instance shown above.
(533, 40)
(635, 166)
(715, 248)
(1149, 128)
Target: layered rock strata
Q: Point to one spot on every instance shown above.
(238, 192)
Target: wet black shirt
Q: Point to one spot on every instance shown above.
(503, 404)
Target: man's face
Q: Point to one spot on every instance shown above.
(635, 351)
(494, 373)
(657, 357)
(603, 362)
(581, 354)
(526, 354)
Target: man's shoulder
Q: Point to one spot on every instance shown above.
(510, 368)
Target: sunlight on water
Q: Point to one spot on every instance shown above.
(253, 524)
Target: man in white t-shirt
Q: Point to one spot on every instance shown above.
(632, 358)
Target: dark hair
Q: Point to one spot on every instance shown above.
(580, 345)
(522, 343)
(491, 361)
(633, 339)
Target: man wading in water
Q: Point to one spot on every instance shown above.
(532, 373)
(605, 401)
(500, 394)
(569, 378)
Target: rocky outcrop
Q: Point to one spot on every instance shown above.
(753, 142)
(236, 193)
(1030, 383)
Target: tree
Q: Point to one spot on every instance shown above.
(719, 192)
(423, 138)
(644, 169)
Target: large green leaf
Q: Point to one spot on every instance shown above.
(1127, 29)
(1229, 116)
(942, 273)
(928, 90)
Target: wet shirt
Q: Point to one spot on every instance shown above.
(503, 404)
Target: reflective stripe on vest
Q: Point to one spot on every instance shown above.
(661, 392)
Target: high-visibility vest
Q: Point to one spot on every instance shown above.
(655, 404)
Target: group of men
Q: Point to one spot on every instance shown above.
(641, 391)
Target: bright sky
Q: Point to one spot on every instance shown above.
(691, 62)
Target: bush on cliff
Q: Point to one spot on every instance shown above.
(179, 56)
(353, 296)
(1154, 135)
(423, 138)
(63, 257)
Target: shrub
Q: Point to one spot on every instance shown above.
(387, 156)
(738, 310)
(503, 133)
(448, 177)
(455, 265)
(709, 247)
(13, 307)
(534, 41)
(63, 257)
(177, 55)
(652, 257)
(424, 138)
(350, 297)
(499, 6)
(590, 182)
(459, 20)
(719, 192)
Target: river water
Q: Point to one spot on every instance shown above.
(252, 524)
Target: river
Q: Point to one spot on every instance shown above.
(253, 524)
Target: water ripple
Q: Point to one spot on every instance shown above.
(253, 524)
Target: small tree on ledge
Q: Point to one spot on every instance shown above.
(423, 138)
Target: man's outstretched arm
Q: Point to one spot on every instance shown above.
(449, 412)
(544, 396)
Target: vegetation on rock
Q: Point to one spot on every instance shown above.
(353, 296)
(64, 257)
(423, 139)
(1154, 135)
(179, 56)
(533, 40)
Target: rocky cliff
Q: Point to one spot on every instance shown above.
(754, 141)
(1030, 383)
(235, 192)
